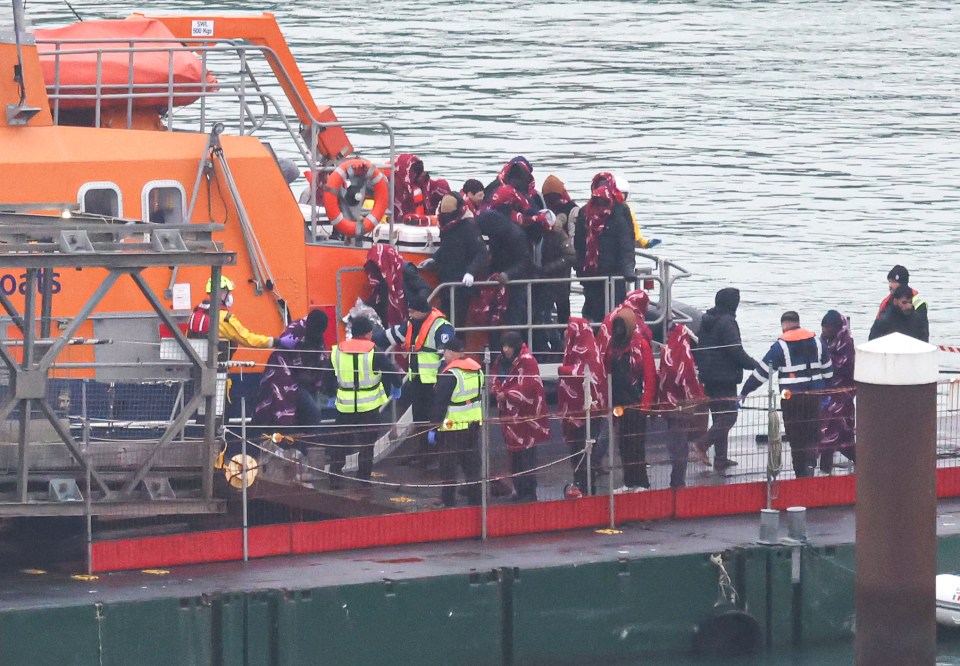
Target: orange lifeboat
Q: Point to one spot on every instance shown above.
(124, 67)
(346, 188)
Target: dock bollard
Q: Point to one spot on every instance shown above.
(797, 523)
(769, 526)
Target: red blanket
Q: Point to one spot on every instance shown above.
(579, 356)
(678, 375)
(522, 404)
(384, 267)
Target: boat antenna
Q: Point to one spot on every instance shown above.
(79, 18)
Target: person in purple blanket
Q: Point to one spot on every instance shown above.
(837, 413)
(292, 377)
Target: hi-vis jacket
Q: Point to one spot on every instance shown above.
(230, 328)
(425, 345)
(359, 383)
(457, 398)
(802, 360)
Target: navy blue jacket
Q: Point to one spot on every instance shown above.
(800, 357)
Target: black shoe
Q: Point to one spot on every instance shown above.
(721, 464)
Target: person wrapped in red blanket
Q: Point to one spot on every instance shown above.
(581, 358)
(523, 411)
(682, 401)
(628, 359)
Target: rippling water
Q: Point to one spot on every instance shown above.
(794, 149)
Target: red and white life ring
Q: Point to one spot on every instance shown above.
(338, 187)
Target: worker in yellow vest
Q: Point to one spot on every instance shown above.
(458, 410)
(365, 381)
(424, 338)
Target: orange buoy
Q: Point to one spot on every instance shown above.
(341, 187)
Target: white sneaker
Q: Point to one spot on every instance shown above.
(621, 490)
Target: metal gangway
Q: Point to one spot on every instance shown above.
(49, 463)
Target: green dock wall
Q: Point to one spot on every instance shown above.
(594, 613)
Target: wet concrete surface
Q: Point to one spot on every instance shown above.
(826, 526)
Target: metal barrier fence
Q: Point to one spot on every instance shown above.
(291, 477)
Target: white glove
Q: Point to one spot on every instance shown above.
(467, 280)
(426, 264)
(550, 215)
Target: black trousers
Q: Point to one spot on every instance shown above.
(521, 461)
(723, 410)
(632, 442)
(460, 448)
(360, 432)
(576, 439)
(421, 401)
(801, 421)
(687, 424)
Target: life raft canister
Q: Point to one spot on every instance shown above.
(348, 184)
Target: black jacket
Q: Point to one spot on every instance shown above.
(891, 320)
(616, 255)
(461, 251)
(509, 249)
(719, 355)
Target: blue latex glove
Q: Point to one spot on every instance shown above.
(824, 403)
(287, 341)
(332, 403)
(395, 393)
(432, 437)
(740, 402)
(652, 242)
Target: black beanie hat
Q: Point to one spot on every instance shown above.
(455, 344)
(832, 318)
(417, 302)
(899, 274)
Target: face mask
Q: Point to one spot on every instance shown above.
(228, 300)
(447, 218)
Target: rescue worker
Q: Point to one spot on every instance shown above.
(423, 336)
(230, 328)
(803, 362)
(362, 378)
(901, 317)
(899, 276)
(624, 186)
(458, 410)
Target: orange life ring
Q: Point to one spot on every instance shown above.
(338, 188)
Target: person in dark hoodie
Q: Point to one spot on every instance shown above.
(721, 360)
(899, 276)
(604, 244)
(566, 209)
(509, 260)
(461, 257)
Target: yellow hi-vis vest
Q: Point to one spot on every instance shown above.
(465, 407)
(359, 388)
(428, 358)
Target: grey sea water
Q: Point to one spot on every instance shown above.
(796, 149)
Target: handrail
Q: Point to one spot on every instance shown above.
(666, 317)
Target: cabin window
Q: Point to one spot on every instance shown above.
(164, 202)
(101, 198)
